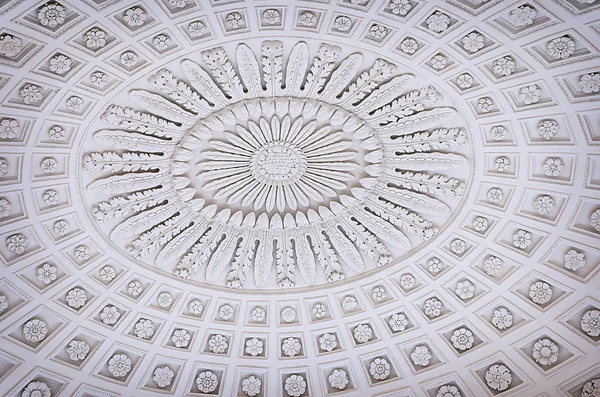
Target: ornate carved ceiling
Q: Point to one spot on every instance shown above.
(299, 198)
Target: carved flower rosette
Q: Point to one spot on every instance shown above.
(259, 164)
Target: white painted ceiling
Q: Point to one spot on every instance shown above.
(299, 198)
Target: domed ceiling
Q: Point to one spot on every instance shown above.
(300, 198)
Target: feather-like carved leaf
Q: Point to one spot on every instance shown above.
(160, 234)
(383, 94)
(263, 262)
(147, 219)
(180, 92)
(425, 183)
(366, 83)
(249, 71)
(344, 247)
(133, 140)
(319, 71)
(425, 161)
(223, 255)
(419, 121)
(224, 73)
(118, 207)
(296, 69)
(129, 182)
(438, 139)
(272, 65)
(203, 83)
(182, 242)
(162, 107)
(127, 162)
(145, 123)
(341, 77)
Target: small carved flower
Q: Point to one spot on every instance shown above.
(498, 132)
(574, 260)
(161, 42)
(181, 338)
(480, 224)
(502, 318)
(398, 322)
(82, 253)
(307, 19)
(49, 165)
(377, 32)
(493, 265)
(196, 29)
(338, 379)
(291, 347)
(421, 356)
(464, 81)
(76, 298)
(135, 288)
(78, 350)
(407, 281)
(458, 246)
(380, 368)
(164, 299)
(35, 330)
(553, 167)
(75, 104)
(595, 220)
(218, 344)
(5, 207)
(522, 239)
(485, 105)
(50, 197)
(448, 391)
(465, 289)
(495, 195)
(60, 64)
(462, 339)
(9, 128)
(119, 365)
(17, 244)
(434, 265)
(530, 94)
(144, 328)
(319, 310)
(342, 23)
(46, 273)
(561, 47)
(234, 20)
(295, 385)
(207, 382)
(163, 376)
(547, 128)
(57, 133)
(349, 303)
(363, 333)
(590, 83)
(3, 303)
(523, 15)
(328, 342)
(498, 377)
(502, 164)
(129, 59)
(258, 314)
(254, 347)
(590, 322)
(195, 307)
(135, 16)
(409, 46)
(178, 3)
(504, 66)
(379, 293)
(591, 388)
(433, 307)
(400, 7)
(108, 273)
(288, 315)
(545, 352)
(110, 315)
(473, 42)
(36, 389)
(544, 205)
(438, 62)
(95, 38)
(251, 386)
(10, 45)
(52, 15)
(272, 17)
(31, 93)
(438, 22)
(540, 292)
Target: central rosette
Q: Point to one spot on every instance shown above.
(278, 163)
(267, 165)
